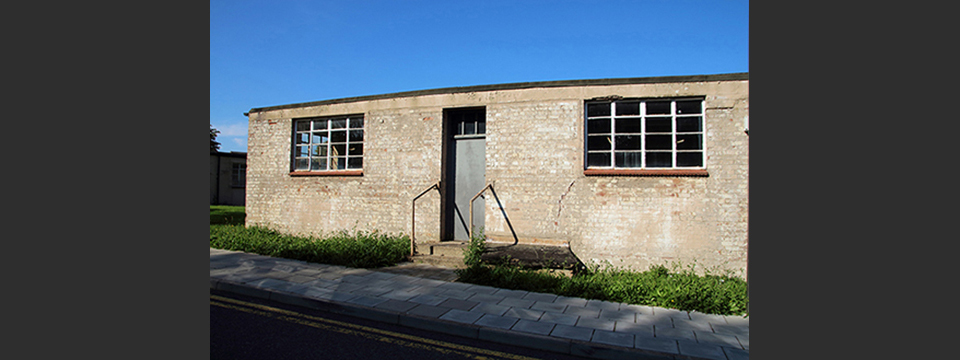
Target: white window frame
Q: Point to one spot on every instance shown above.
(643, 117)
(314, 145)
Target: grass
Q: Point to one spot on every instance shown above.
(354, 249)
(671, 288)
(680, 289)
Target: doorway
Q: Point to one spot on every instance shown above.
(464, 168)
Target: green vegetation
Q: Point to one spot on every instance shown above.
(677, 289)
(671, 288)
(357, 249)
(227, 215)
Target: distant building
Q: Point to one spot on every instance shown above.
(228, 178)
(633, 171)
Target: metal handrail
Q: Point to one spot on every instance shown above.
(413, 214)
(500, 205)
(489, 186)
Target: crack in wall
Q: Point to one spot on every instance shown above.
(560, 202)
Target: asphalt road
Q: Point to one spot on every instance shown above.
(249, 328)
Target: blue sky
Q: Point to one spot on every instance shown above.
(265, 53)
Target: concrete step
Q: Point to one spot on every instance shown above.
(453, 262)
(449, 248)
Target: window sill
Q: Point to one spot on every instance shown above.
(328, 173)
(645, 172)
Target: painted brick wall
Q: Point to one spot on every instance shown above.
(534, 156)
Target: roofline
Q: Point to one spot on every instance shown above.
(517, 86)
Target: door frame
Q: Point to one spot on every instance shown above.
(447, 168)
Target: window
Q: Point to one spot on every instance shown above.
(328, 143)
(645, 134)
(468, 123)
(238, 175)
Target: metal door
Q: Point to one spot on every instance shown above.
(465, 173)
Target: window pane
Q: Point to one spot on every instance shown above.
(481, 127)
(338, 124)
(659, 142)
(628, 108)
(659, 159)
(356, 149)
(598, 142)
(598, 159)
(689, 142)
(318, 164)
(302, 164)
(300, 151)
(339, 163)
(338, 136)
(356, 123)
(303, 138)
(598, 126)
(690, 159)
(658, 124)
(320, 150)
(338, 150)
(356, 135)
(658, 107)
(628, 125)
(303, 125)
(629, 160)
(355, 162)
(469, 128)
(320, 124)
(628, 142)
(598, 109)
(689, 124)
(689, 107)
(320, 137)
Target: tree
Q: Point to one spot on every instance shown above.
(214, 145)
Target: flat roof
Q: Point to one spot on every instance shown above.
(516, 86)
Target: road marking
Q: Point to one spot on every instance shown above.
(360, 330)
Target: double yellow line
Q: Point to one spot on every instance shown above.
(363, 331)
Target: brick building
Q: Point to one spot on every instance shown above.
(632, 171)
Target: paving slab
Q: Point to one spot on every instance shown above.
(572, 332)
(678, 334)
(460, 316)
(495, 321)
(736, 354)
(657, 344)
(458, 304)
(599, 324)
(516, 302)
(583, 312)
(559, 318)
(613, 338)
(582, 327)
(524, 313)
(428, 311)
(701, 350)
(540, 297)
(493, 309)
(548, 306)
(536, 327)
(717, 339)
(427, 299)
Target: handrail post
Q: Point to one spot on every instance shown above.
(413, 214)
(471, 206)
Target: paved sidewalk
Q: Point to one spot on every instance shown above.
(590, 328)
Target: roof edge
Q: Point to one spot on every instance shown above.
(517, 86)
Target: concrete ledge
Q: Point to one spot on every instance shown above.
(241, 289)
(598, 351)
(532, 341)
(458, 329)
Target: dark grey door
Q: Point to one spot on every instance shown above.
(466, 166)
